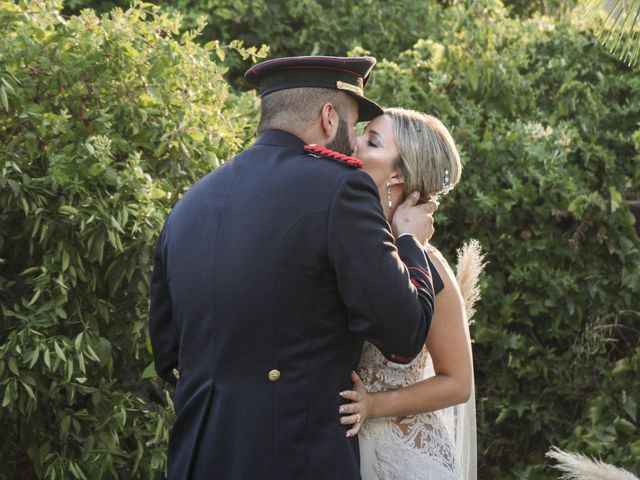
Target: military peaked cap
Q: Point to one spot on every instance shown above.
(341, 73)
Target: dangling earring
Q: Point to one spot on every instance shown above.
(389, 193)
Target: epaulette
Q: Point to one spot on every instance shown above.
(316, 151)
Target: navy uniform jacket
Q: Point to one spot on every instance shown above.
(269, 274)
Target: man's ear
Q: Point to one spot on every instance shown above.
(329, 122)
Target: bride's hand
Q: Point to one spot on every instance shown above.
(356, 412)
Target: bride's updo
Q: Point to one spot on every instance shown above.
(428, 158)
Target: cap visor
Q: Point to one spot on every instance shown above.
(367, 109)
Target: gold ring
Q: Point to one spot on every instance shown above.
(357, 418)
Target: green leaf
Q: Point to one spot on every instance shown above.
(81, 363)
(635, 449)
(64, 426)
(25, 205)
(69, 369)
(78, 341)
(34, 357)
(504, 414)
(68, 210)
(4, 99)
(616, 199)
(65, 260)
(155, 93)
(97, 250)
(13, 366)
(29, 391)
(7, 85)
(91, 353)
(6, 400)
(116, 225)
(59, 351)
(624, 426)
(149, 371)
(35, 297)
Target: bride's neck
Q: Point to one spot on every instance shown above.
(397, 197)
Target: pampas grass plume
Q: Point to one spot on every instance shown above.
(470, 265)
(580, 467)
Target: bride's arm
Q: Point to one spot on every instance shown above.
(450, 350)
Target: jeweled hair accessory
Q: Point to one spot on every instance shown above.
(446, 185)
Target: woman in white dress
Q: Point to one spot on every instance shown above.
(400, 412)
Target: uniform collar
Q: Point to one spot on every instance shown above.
(279, 138)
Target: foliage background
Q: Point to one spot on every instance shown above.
(106, 120)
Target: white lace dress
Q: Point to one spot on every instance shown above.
(416, 447)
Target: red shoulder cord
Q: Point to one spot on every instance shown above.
(325, 152)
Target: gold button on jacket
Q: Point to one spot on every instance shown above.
(274, 375)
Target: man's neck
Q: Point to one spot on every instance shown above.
(309, 137)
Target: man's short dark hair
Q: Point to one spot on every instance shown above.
(297, 108)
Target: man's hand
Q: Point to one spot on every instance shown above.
(414, 219)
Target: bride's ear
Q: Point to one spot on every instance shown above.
(396, 178)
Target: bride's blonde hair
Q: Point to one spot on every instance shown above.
(428, 159)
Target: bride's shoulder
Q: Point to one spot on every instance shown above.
(441, 264)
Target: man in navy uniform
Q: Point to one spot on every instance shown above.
(271, 271)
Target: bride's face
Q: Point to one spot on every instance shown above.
(376, 147)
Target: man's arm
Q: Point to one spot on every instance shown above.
(388, 290)
(162, 332)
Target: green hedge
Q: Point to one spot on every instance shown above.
(333, 27)
(104, 122)
(305, 27)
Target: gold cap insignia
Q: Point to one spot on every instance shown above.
(350, 88)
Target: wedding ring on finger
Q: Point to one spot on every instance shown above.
(357, 418)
